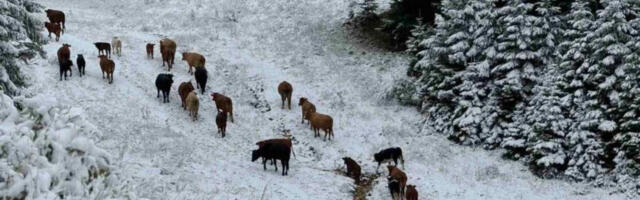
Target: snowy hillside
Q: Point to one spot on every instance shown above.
(250, 47)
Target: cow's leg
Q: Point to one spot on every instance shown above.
(264, 164)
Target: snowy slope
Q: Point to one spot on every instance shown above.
(250, 47)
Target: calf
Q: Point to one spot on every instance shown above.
(193, 103)
(183, 90)
(103, 47)
(412, 193)
(221, 122)
(64, 53)
(193, 60)
(321, 122)
(285, 89)
(394, 188)
(65, 66)
(56, 16)
(107, 66)
(307, 107)
(116, 46)
(53, 28)
(163, 82)
(201, 78)
(398, 175)
(353, 169)
(387, 155)
(223, 103)
(81, 64)
(275, 151)
(168, 51)
(150, 50)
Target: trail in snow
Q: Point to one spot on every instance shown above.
(250, 47)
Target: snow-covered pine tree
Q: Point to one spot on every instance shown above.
(402, 16)
(19, 39)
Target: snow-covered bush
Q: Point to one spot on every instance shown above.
(44, 154)
(20, 29)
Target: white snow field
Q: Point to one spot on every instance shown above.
(250, 47)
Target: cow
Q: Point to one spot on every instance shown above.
(150, 50)
(321, 122)
(193, 104)
(275, 151)
(56, 16)
(116, 46)
(163, 82)
(64, 53)
(353, 169)
(183, 90)
(285, 89)
(387, 155)
(81, 64)
(65, 66)
(307, 107)
(223, 104)
(394, 188)
(193, 60)
(398, 175)
(221, 122)
(168, 52)
(53, 28)
(201, 78)
(103, 47)
(107, 66)
(412, 193)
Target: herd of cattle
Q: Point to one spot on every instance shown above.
(269, 150)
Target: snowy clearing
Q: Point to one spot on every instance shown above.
(250, 47)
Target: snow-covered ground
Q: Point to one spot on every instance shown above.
(250, 47)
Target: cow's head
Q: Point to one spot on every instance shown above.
(255, 154)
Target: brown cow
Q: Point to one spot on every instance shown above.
(107, 66)
(193, 60)
(150, 50)
(103, 47)
(353, 169)
(412, 193)
(223, 103)
(285, 89)
(193, 103)
(400, 176)
(168, 52)
(307, 107)
(64, 53)
(183, 90)
(321, 121)
(221, 122)
(53, 28)
(56, 16)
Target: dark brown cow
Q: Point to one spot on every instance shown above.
(412, 193)
(107, 66)
(56, 16)
(103, 47)
(223, 103)
(150, 50)
(221, 122)
(353, 169)
(64, 53)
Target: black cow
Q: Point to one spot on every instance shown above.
(103, 47)
(394, 188)
(273, 151)
(163, 82)
(80, 62)
(393, 153)
(65, 66)
(201, 78)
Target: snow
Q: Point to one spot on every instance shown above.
(250, 47)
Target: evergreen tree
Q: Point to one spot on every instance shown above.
(20, 29)
(402, 17)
